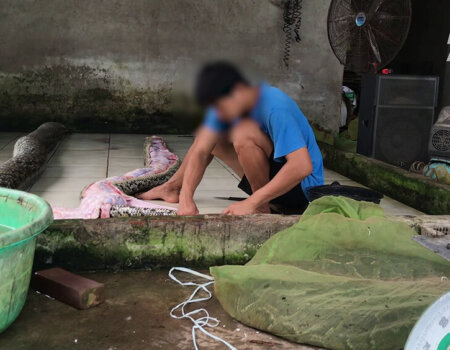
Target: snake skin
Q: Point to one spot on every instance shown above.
(122, 211)
(30, 156)
(113, 195)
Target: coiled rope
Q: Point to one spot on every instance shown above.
(204, 320)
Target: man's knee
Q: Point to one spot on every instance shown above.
(242, 135)
(247, 135)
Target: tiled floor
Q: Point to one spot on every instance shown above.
(84, 158)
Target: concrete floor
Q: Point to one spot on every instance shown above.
(135, 316)
(84, 158)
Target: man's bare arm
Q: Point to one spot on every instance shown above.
(297, 167)
(199, 158)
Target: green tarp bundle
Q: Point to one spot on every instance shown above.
(343, 277)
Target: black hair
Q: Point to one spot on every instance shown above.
(216, 80)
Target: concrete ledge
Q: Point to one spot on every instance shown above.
(154, 242)
(122, 243)
(414, 190)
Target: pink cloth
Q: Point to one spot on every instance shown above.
(99, 197)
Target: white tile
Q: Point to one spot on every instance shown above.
(393, 207)
(83, 146)
(127, 145)
(127, 153)
(60, 199)
(215, 164)
(6, 153)
(83, 139)
(88, 136)
(75, 172)
(126, 163)
(179, 147)
(9, 138)
(119, 170)
(331, 176)
(9, 148)
(48, 184)
(179, 150)
(218, 197)
(210, 201)
(118, 140)
(87, 158)
(218, 183)
(214, 172)
(81, 154)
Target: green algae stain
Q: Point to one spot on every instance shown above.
(76, 247)
(422, 194)
(90, 99)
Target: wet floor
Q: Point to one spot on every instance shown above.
(135, 316)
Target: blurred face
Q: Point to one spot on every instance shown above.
(232, 106)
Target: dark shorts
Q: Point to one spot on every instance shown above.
(293, 202)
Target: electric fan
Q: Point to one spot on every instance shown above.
(440, 137)
(366, 35)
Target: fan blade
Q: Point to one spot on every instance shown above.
(355, 6)
(345, 36)
(375, 6)
(345, 18)
(373, 44)
(349, 9)
(382, 16)
(385, 36)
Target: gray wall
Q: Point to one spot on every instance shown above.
(121, 65)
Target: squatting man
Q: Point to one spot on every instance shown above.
(260, 133)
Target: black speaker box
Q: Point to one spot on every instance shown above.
(396, 116)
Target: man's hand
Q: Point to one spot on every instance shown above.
(245, 207)
(187, 207)
(199, 158)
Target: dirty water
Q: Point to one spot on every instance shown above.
(135, 316)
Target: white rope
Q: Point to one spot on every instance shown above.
(203, 321)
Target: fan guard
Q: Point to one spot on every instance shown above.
(366, 35)
(441, 140)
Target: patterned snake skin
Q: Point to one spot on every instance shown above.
(157, 158)
(30, 156)
(120, 211)
(111, 197)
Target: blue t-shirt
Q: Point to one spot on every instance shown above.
(279, 117)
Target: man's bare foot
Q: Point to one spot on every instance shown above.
(165, 192)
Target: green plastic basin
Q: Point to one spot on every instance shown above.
(22, 217)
